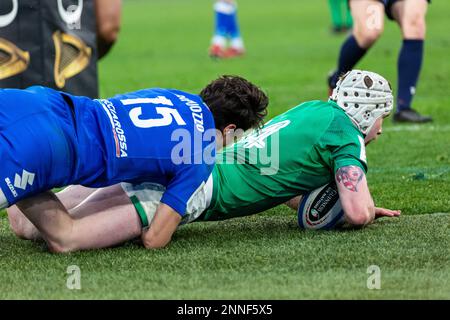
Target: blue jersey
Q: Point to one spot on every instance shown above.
(153, 135)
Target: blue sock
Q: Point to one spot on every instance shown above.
(226, 20)
(220, 28)
(233, 26)
(349, 56)
(409, 65)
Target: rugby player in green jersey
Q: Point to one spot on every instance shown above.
(296, 152)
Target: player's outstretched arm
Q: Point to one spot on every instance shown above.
(356, 201)
(162, 228)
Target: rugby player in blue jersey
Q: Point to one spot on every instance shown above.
(52, 139)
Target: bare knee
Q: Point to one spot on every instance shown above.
(414, 26)
(17, 222)
(368, 19)
(366, 37)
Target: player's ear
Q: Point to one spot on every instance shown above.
(229, 129)
(228, 133)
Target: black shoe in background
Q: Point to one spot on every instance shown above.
(336, 30)
(411, 116)
(331, 83)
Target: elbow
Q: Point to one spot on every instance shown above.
(59, 247)
(360, 217)
(152, 245)
(154, 242)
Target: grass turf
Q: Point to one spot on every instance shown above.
(290, 51)
(262, 257)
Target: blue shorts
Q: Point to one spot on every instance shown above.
(388, 7)
(35, 150)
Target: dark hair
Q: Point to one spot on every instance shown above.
(233, 99)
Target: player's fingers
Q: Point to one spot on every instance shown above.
(393, 213)
(381, 215)
(382, 212)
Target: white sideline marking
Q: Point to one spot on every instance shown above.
(417, 127)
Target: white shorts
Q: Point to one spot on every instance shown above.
(146, 199)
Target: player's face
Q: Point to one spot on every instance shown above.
(375, 132)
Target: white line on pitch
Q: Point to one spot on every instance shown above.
(417, 127)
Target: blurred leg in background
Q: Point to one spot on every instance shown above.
(410, 16)
(108, 14)
(368, 25)
(341, 17)
(227, 41)
(348, 20)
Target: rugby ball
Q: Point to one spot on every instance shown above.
(321, 209)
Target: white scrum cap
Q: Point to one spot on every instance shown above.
(365, 96)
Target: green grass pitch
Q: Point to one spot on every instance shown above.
(290, 51)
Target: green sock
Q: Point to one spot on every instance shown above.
(336, 15)
(348, 15)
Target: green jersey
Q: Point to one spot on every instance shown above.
(296, 152)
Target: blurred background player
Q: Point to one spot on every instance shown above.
(341, 17)
(108, 14)
(60, 51)
(368, 26)
(227, 41)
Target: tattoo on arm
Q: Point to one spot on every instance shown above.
(350, 177)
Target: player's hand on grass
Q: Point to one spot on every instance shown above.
(382, 212)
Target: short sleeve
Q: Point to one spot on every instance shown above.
(187, 180)
(346, 144)
(352, 152)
